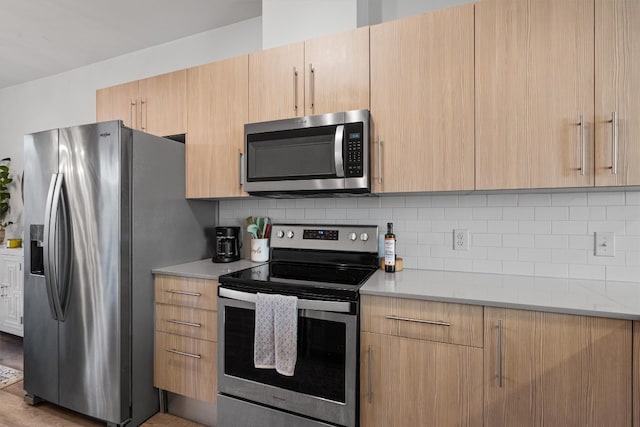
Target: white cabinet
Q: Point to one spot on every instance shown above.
(11, 294)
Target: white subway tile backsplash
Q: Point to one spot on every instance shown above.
(458, 213)
(568, 199)
(541, 234)
(551, 242)
(487, 213)
(632, 198)
(605, 199)
(523, 213)
(555, 213)
(486, 239)
(586, 213)
(622, 212)
(502, 226)
(534, 227)
(623, 274)
(534, 200)
(502, 200)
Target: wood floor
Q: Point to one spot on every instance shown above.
(14, 412)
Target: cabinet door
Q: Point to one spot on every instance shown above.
(119, 103)
(534, 81)
(276, 83)
(163, 104)
(547, 369)
(217, 106)
(337, 72)
(408, 382)
(422, 102)
(617, 88)
(636, 373)
(11, 295)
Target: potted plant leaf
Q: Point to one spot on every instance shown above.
(5, 196)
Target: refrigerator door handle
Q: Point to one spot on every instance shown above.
(52, 257)
(62, 278)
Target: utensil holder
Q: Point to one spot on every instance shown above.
(259, 250)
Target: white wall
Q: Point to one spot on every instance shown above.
(546, 234)
(68, 99)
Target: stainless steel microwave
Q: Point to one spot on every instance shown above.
(312, 155)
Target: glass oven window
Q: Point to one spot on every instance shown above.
(320, 366)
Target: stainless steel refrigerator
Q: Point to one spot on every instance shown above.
(104, 204)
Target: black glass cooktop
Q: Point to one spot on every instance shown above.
(320, 281)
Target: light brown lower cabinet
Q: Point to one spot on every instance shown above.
(411, 382)
(186, 339)
(636, 374)
(549, 369)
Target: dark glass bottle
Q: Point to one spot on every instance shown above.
(390, 250)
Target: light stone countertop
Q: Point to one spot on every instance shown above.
(571, 296)
(204, 269)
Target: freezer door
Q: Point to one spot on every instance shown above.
(40, 327)
(94, 335)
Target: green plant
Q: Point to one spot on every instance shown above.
(5, 180)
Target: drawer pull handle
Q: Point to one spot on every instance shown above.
(182, 353)
(408, 319)
(180, 322)
(191, 294)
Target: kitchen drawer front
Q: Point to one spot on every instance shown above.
(186, 321)
(426, 320)
(186, 366)
(187, 291)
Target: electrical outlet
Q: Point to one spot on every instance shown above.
(460, 239)
(605, 244)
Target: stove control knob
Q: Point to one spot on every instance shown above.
(280, 234)
(364, 237)
(353, 237)
(290, 234)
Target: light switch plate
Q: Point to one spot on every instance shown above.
(605, 243)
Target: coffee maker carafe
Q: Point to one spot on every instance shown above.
(227, 247)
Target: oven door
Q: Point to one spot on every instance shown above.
(324, 384)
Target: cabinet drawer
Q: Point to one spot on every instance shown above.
(187, 292)
(426, 320)
(186, 321)
(186, 366)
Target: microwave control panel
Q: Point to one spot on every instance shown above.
(355, 149)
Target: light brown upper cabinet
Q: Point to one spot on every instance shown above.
(218, 109)
(617, 109)
(422, 102)
(157, 105)
(324, 75)
(536, 122)
(548, 369)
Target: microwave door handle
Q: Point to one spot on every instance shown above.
(337, 151)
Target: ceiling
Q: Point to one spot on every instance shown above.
(39, 38)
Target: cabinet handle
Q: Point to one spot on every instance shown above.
(191, 294)
(581, 124)
(295, 90)
(379, 160)
(499, 353)
(142, 113)
(429, 322)
(614, 142)
(132, 104)
(312, 84)
(180, 322)
(240, 169)
(369, 390)
(182, 353)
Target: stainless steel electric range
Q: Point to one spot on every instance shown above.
(324, 266)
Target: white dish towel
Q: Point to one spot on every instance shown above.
(276, 333)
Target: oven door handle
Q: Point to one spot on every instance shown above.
(303, 304)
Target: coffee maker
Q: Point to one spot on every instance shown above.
(227, 248)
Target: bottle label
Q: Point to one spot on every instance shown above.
(389, 252)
